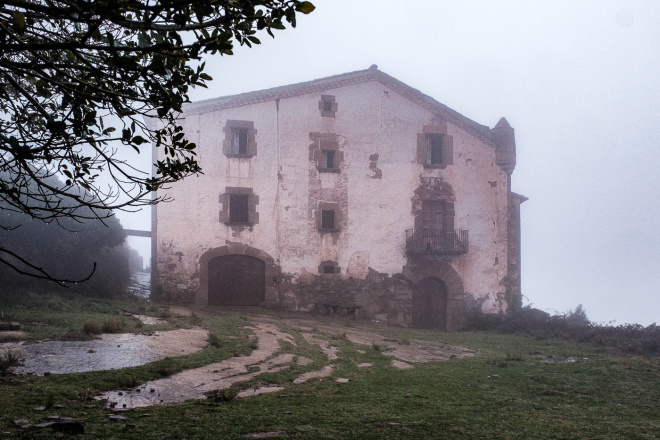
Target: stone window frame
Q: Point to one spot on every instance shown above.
(328, 145)
(328, 206)
(253, 201)
(329, 267)
(328, 101)
(231, 124)
(423, 145)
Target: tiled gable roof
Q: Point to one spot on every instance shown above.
(343, 80)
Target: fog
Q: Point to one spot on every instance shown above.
(577, 80)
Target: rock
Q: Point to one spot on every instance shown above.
(23, 423)
(9, 326)
(116, 418)
(39, 408)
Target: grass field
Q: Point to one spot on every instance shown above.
(506, 392)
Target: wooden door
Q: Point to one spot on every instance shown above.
(432, 215)
(236, 280)
(430, 304)
(429, 224)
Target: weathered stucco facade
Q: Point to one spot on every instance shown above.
(349, 194)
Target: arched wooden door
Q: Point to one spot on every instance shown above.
(236, 280)
(430, 304)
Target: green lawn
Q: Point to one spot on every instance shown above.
(505, 392)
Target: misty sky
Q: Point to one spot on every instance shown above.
(579, 82)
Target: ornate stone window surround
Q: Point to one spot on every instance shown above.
(328, 106)
(238, 194)
(240, 139)
(432, 137)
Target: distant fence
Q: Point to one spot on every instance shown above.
(138, 233)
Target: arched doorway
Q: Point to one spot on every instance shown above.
(236, 280)
(429, 304)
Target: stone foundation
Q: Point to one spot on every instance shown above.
(378, 296)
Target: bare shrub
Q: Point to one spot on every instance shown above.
(215, 339)
(10, 358)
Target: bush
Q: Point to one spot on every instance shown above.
(9, 358)
(215, 339)
(573, 325)
(114, 325)
(225, 395)
(91, 327)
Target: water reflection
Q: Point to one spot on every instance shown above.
(109, 352)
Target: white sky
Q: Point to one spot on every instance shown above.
(580, 83)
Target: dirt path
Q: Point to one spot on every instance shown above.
(268, 357)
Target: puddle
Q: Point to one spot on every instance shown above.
(195, 383)
(251, 392)
(323, 372)
(111, 351)
(127, 350)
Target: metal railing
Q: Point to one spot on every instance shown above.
(434, 241)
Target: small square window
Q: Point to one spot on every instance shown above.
(328, 159)
(434, 149)
(239, 140)
(328, 106)
(328, 219)
(329, 267)
(238, 208)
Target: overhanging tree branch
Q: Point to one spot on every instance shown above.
(79, 77)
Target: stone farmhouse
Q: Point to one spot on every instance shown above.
(351, 194)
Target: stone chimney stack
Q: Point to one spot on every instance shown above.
(502, 134)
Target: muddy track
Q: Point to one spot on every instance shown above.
(270, 356)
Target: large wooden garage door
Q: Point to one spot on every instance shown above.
(237, 280)
(430, 304)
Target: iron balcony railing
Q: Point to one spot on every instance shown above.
(434, 241)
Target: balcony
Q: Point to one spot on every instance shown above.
(434, 241)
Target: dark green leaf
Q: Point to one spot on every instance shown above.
(306, 7)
